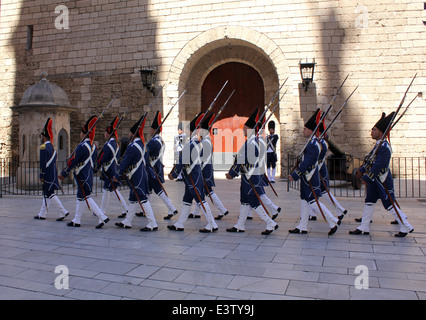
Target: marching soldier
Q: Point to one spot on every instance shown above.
(271, 207)
(208, 170)
(324, 178)
(247, 164)
(190, 165)
(180, 141)
(49, 174)
(155, 168)
(133, 166)
(377, 176)
(271, 151)
(310, 190)
(83, 161)
(108, 162)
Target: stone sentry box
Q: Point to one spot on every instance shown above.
(39, 102)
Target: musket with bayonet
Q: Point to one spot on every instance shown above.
(211, 150)
(102, 151)
(210, 106)
(322, 135)
(167, 115)
(372, 155)
(204, 115)
(93, 126)
(155, 133)
(324, 114)
(262, 115)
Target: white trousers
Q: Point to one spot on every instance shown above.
(244, 212)
(367, 216)
(79, 209)
(170, 207)
(217, 203)
(305, 210)
(186, 209)
(334, 203)
(135, 207)
(106, 195)
(54, 198)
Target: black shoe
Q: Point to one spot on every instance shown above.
(102, 223)
(204, 230)
(295, 230)
(360, 220)
(394, 222)
(332, 231)
(312, 218)
(193, 216)
(121, 225)
(62, 218)
(345, 212)
(39, 218)
(401, 234)
(341, 217)
(276, 215)
(268, 232)
(233, 229)
(357, 231)
(221, 215)
(140, 214)
(249, 218)
(72, 224)
(172, 227)
(123, 215)
(149, 229)
(170, 215)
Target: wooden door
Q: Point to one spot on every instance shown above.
(249, 93)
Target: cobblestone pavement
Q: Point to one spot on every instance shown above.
(114, 263)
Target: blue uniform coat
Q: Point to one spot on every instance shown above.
(308, 171)
(133, 165)
(155, 149)
(247, 163)
(83, 161)
(379, 172)
(48, 170)
(109, 162)
(189, 164)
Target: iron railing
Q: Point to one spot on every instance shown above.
(409, 176)
(22, 178)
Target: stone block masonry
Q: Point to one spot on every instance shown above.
(381, 45)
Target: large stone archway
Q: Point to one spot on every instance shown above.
(216, 47)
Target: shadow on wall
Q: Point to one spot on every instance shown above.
(90, 64)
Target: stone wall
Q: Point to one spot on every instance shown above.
(380, 44)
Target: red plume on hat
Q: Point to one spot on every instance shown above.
(90, 125)
(47, 130)
(317, 121)
(312, 122)
(112, 127)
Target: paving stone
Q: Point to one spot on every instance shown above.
(112, 263)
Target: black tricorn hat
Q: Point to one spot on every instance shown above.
(157, 120)
(252, 120)
(47, 130)
(109, 129)
(141, 124)
(206, 122)
(194, 122)
(384, 121)
(312, 122)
